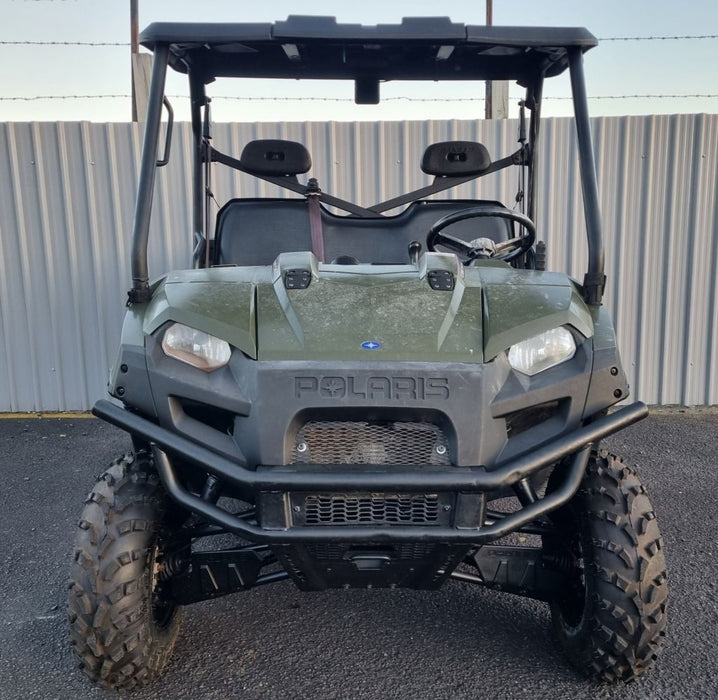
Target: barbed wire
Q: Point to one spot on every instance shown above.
(699, 95)
(33, 98)
(674, 37)
(239, 98)
(64, 43)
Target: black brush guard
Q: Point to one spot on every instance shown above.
(574, 447)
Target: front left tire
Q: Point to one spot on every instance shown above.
(610, 617)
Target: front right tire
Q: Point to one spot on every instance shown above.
(123, 626)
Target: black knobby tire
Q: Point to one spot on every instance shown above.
(611, 619)
(122, 630)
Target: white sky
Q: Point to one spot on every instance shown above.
(614, 68)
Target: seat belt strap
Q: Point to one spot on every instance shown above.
(315, 219)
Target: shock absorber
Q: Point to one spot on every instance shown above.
(174, 563)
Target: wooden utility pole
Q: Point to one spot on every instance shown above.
(488, 103)
(497, 91)
(134, 50)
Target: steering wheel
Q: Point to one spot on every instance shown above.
(506, 250)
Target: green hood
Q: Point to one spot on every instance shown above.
(366, 312)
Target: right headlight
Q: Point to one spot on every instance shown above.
(543, 351)
(196, 348)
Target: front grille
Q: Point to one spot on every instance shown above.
(365, 442)
(371, 509)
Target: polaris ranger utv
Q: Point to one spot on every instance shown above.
(364, 399)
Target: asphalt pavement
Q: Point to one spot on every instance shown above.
(277, 642)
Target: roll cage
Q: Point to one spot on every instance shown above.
(320, 48)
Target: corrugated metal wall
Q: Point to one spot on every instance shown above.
(66, 207)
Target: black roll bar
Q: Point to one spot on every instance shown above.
(197, 101)
(533, 96)
(140, 292)
(595, 279)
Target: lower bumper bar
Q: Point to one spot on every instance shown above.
(337, 478)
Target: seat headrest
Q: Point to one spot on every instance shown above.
(455, 158)
(276, 157)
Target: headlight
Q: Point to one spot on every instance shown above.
(542, 351)
(195, 347)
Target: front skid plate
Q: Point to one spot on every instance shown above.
(421, 565)
(522, 571)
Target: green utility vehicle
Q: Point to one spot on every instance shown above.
(360, 399)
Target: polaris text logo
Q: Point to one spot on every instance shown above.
(372, 388)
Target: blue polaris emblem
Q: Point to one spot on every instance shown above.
(370, 345)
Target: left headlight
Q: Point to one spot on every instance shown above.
(195, 347)
(543, 351)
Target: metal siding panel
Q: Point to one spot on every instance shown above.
(646, 315)
(708, 376)
(76, 387)
(33, 285)
(700, 307)
(57, 265)
(67, 201)
(18, 353)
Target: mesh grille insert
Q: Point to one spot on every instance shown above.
(364, 442)
(371, 508)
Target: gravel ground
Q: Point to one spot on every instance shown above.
(277, 642)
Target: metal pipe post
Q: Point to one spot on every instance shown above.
(595, 279)
(197, 101)
(534, 95)
(140, 291)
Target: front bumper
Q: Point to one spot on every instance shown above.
(573, 448)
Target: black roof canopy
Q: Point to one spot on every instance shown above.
(420, 48)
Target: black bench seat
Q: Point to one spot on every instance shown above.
(255, 231)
